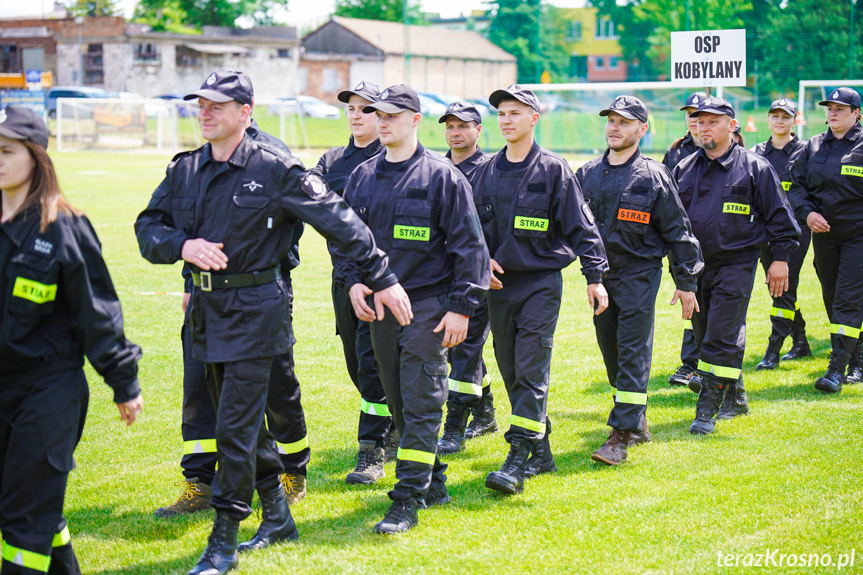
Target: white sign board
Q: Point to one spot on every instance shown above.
(708, 58)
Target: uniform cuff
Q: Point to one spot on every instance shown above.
(687, 285)
(127, 392)
(593, 277)
(386, 281)
(780, 255)
(461, 307)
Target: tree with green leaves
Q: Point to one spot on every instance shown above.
(92, 8)
(405, 11)
(188, 15)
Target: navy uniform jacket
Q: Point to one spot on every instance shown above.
(423, 215)
(684, 149)
(57, 303)
(781, 160)
(736, 205)
(468, 167)
(338, 163)
(249, 203)
(535, 219)
(827, 177)
(640, 218)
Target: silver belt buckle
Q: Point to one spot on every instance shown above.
(206, 281)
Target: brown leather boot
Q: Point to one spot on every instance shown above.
(613, 451)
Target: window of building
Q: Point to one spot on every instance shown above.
(147, 53)
(9, 63)
(612, 62)
(605, 29)
(94, 73)
(331, 80)
(574, 32)
(579, 66)
(599, 62)
(283, 53)
(187, 58)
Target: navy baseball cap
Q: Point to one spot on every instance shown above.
(462, 111)
(224, 85)
(714, 105)
(629, 107)
(787, 106)
(694, 100)
(394, 100)
(523, 95)
(20, 123)
(367, 90)
(845, 96)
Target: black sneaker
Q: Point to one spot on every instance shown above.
(682, 376)
(370, 465)
(437, 495)
(401, 517)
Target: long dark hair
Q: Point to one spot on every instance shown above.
(678, 141)
(45, 189)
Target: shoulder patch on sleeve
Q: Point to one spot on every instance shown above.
(314, 186)
(587, 213)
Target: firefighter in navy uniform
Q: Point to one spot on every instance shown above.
(228, 209)
(57, 304)
(469, 385)
(376, 434)
(535, 223)
(640, 218)
(421, 211)
(678, 150)
(285, 415)
(736, 205)
(827, 193)
(786, 316)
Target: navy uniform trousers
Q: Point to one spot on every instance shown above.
(786, 316)
(413, 370)
(468, 372)
(839, 264)
(285, 415)
(523, 318)
(720, 327)
(624, 332)
(375, 419)
(41, 421)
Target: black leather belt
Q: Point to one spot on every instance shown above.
(208, 281)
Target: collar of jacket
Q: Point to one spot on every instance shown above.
(405, 165)
(369, 151)
(725, 160)
(788, 149)
(240, 156)
(852, 135)
(19, 227)
(625, 164)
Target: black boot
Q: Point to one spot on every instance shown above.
(799, 346)
(436, 495)
(735, 402)
(63, 561)
(709, 400)
(541, 459)
(220, 556)
(453, 438)
(855, 366)
(401, 517)
(277, 524)
(832, 380)
(510, 478)
(771, 356)
(483, 418)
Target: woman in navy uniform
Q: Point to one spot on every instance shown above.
(57, 303)
(827, 195)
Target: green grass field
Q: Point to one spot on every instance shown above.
(787, 477)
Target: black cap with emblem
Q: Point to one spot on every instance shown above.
(714, 105)
(629, 107)
(367, 90)
(224, 85)
(523, 95)
(694, 100)
(20, 123)
(394, 100)
(787, 106)
(462, 111)
(845, 96)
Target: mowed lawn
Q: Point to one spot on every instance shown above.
(787, 477)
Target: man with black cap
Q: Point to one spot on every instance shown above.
(421, 211)
(736, 205)
(640, 218)
(376, 433)
(228, 209)
(469, 386)
(535, 223)
(677, 151)
(786, 318)
(285, 415)
(827, 194)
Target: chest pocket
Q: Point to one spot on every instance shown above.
(633, 211)
(484, 210)
(531, 212)
(251, 201)
(34, 286)
(852, 165)
(412, 222)
(737, 203)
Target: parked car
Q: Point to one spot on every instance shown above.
(185, 108)
(430, 106)
(71, 92)
(312, 108)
